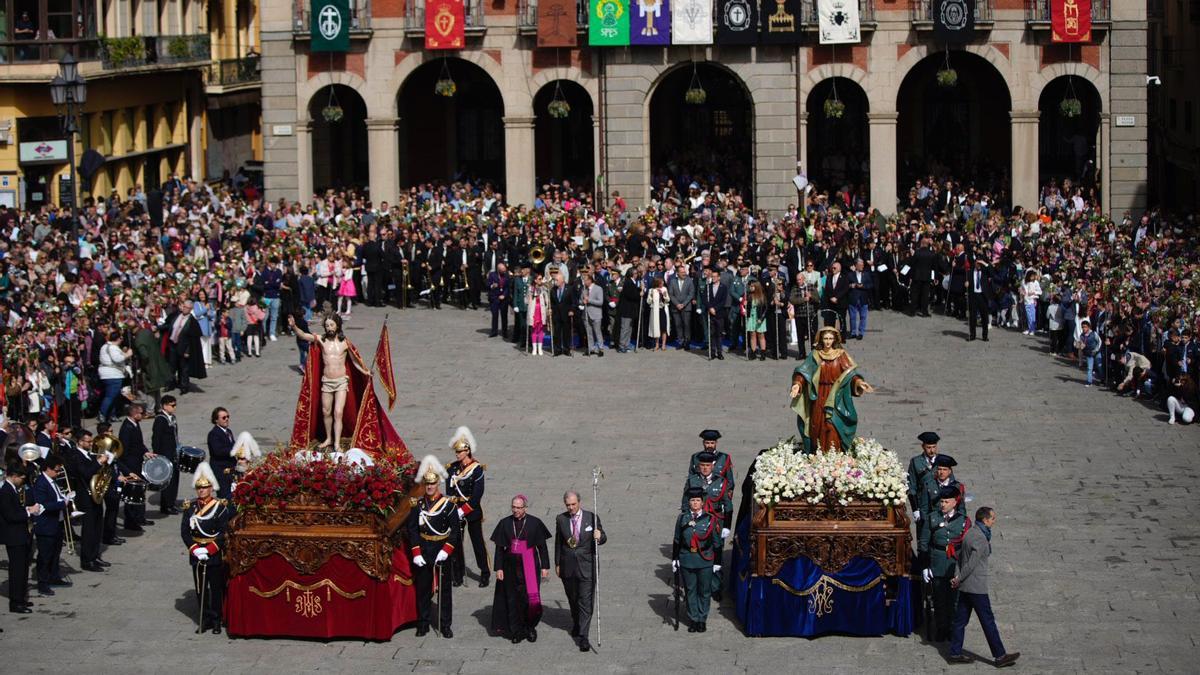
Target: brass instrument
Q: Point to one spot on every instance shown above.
(105, 444)
(30, 452)
(537, 255)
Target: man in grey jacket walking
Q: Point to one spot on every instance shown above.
(972, 585)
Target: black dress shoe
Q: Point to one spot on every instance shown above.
(20, 610)
(114, 542)
(92, 567)
(216, 630)
(959, 658)
(101, 563)
(26, 604)
(532, 636)
(133, 528)
(422, 631)
(447, 633)
(46, 591)
(483, 583)
(1007, 660)
(585, 646)
(720, 357)
(61, 582)
(146, 523)
(458, 582)
(516, 639)
(693, 628)
(703, 627)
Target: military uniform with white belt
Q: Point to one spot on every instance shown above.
(202, 528)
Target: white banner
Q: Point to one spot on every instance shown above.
(691, 22)
(838, 22)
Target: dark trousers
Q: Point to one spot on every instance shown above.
(18, 575)
(212, 574)
(944, 598)
(166, 498)
(376, 280)
(806, 325)
(89, 536)
(111, 503)
(475, 531)
(397, 295)
(135, 514)
(423, 576)
(983, 609)
(680, 325)
(836, 313)
(562, 331)
(520, 336)
(179, 366)
(500, 316)
(716, 327)
(920, 297)
(979, 312)
(48, 550)
(580, 596)
(224, 480)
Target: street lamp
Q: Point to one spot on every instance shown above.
(68, 91)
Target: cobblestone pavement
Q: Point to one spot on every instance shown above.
(1095, 556)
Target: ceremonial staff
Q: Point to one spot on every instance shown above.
(637, 323)
(201, 591)
(437, 581)
(596, 476)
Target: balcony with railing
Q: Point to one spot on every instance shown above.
(1037, 14)
(360, 19)
(228, 75)
(922, 14)
(161, 50)
(866, 14)
(476, 23)
(527, 16)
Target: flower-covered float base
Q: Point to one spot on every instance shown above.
(315, 550)
(825, 545)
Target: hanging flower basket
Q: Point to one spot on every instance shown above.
(834, 109)
(445, 87)
(559, 109)
(1070, 107)
(695, 95)
(332, 113)
(947, 77)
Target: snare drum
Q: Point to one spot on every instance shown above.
(189, 458)
(133, 492)
(157, 472)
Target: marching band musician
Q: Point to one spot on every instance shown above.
(466, 487)
(434, 525)
(48, 524)
(164, 439)
(694, 556)
(131, 462)
(15, 515)
(82, 466)
(202, 528)
(718, 500)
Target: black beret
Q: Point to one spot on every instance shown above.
(710, 434)
(948, 492)
(695, 492)
(706, 456)
(945, 460)
(929, 437)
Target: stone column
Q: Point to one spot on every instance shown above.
(881, 135)
(196, 131)
(304, 172)
(383, 140)
(1025, 158)
(519, 172)
(1103, 162)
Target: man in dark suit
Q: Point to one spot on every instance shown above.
(131, 461)
(432, 260)
(562, 313)
(834, 296)
(164, 438)
(372, 257)
(577, 533)
(48, 525)
(629, 304)
(979, 295)
(499, 290)
(394, 266)
(920, 271)
(220, 452)
(958, 283)
(81, 467)
(14, 532)
(717, 305)
(181, 342)
(862, 289)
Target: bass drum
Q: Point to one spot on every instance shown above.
(157, 472)
(189, 458)
(133, 492)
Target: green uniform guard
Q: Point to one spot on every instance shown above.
(694, 556)
(943, 533)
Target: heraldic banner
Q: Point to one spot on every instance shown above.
(954, 21)
(780, 22)
(608, 25)
(1071, 20)
(445, 24)
(556, 23)
(330, 26)
(650, 22)
(838, 22)
(691, 22)
(737, 22)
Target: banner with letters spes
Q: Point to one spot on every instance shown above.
(556, 23)
(650, 22)
(954, 21)
(330, 26)
(737, 22)
(837, 22)
(608, 23)
(691, 22)
(445, 24)
(779, 22)
(1071, 20)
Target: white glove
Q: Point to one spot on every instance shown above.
(461, 515)
(441, 556)
(927, 575)
(725, 533)
(716, 568)
(200, 553)
(674, 565)
(916, 516)
(419, 561)
(612, 304)
(71, 496)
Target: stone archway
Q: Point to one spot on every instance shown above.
(564, 147)
(1067, 143)
(838, 149)
(339, 146)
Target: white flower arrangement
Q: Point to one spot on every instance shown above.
(869, 472)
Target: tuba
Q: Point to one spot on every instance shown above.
(106, 444)
(537, 255)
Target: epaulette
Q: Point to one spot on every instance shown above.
(187, 504)
(224, 502)
(414, 500)
(449, 464)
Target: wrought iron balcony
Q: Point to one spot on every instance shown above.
(922, 14)
(160, 50)
(527, 16)
(232, 72)
(866, 14)
(414, 18)
(360, 18)
(16, 52)
(1037, 13)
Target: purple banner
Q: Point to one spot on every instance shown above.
(649, 22)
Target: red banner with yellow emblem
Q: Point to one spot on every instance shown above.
(1071, 20)
(445, 24)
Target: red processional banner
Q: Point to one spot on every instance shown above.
(1071, 20)
(445, 24)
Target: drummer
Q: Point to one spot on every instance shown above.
(164, 439)
(131, 460)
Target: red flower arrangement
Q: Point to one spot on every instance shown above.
(281, 479)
